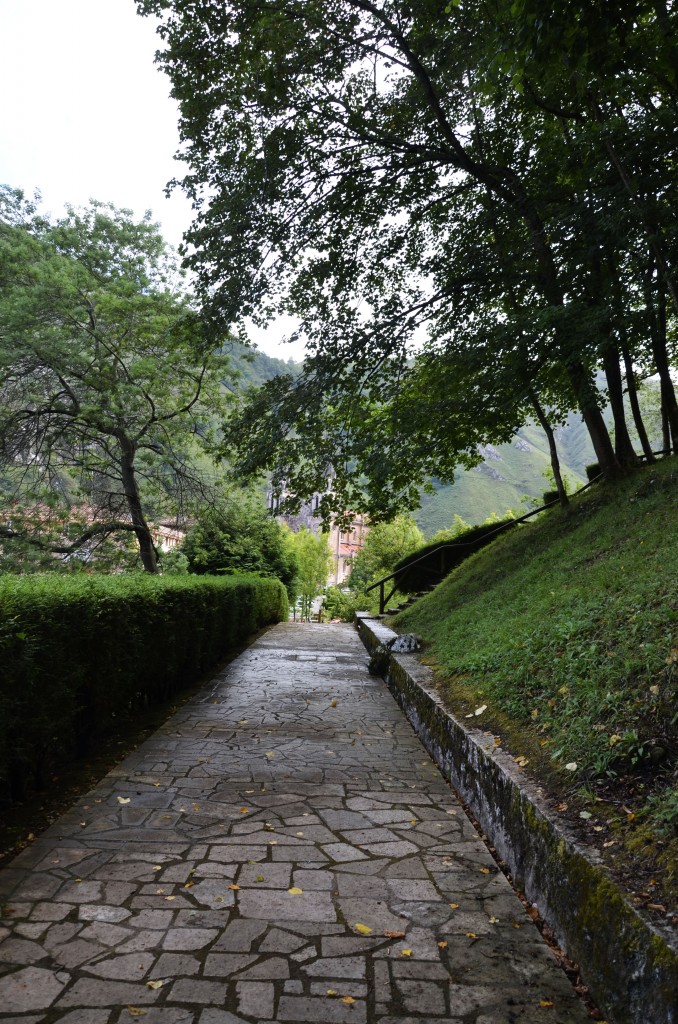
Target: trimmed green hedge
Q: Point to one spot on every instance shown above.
(77, 651)
(443, 556)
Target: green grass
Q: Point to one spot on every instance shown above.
(567, 629)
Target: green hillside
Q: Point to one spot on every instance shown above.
(507, 473)
(561, 639)
(256, 368)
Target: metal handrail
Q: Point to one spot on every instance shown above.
(383, 601)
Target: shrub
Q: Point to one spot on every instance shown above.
(77, 651)
(549, 496)
(592, 470)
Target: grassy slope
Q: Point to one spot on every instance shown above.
(567, 630)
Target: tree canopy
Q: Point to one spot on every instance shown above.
(487, 185)
(109, 375)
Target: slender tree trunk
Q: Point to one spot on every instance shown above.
(553, 451)
(147, 551)
(620, 326)
(661, 360)
(624, 451)
(632, 392)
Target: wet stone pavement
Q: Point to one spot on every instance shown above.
(281, 850)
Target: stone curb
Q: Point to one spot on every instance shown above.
(629, 964)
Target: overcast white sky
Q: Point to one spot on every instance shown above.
(86, 114)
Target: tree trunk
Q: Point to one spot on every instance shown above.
(624, 451)
(147, 550)
(555, 461)
(593, 418)
(661, 360)
(632, 392)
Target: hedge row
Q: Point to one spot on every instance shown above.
(440, 557)
(75, 652)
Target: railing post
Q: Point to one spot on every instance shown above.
(381, 598)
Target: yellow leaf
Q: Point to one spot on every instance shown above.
(471, 935)
(136, 1011)
(270, 753)
(154, 984)
(454, 906)
(443, 945)
(348, 1000)
(485, 871)
(406, 952)
(362, 929)
(157, 867)
(332, 992)
(333, 704)
(413, 821)
(234, 887)
(170, 898)
(123, 799)
(260, 878)
(493, 920)
(295, 891)
(188, 885)
(244, 810)
(545, 1002)
(195, 807)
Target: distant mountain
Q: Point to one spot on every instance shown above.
(507, 473)
(256, 368)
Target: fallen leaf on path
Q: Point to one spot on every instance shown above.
(333, 704)
(332, 992)
(270, 753)
(394, 935)
(545, 1002)
(136, 1011)
(406, 952)
(244, 810)
(295, 891)
(443, 945)
(154, 984)
(454, 906)
(123, 799)
(471, 935)
(169, 898)
(347, 999)
(484, 871)
(362, 929)
(260, 878)
(235, 888)
(493, 920)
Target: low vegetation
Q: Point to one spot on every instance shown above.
(561, 640)
(76, 652)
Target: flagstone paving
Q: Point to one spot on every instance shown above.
(281, 850)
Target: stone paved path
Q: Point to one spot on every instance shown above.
(258, 859)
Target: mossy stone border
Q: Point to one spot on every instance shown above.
(629, 964)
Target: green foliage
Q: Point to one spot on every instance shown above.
(313, 563)
(238, 535)
(108, 374)
(77, 651)
(343, 604)
(499, 211)
(570, 626)
(385, 545)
